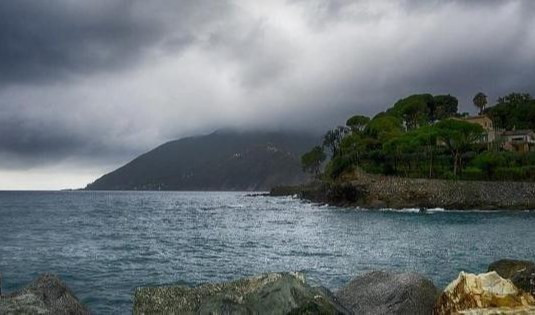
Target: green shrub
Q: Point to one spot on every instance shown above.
(488, 162)
(473, 173)
(509, 173)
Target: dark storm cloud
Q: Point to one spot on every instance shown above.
(53, 42)
(27, 140)
(49, 40)
(107, 80)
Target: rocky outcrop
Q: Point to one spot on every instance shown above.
(376, 191)
(381, 292)
(486, 293)
(46, 295)
(272, 293)
(525, 280)
(520, 272)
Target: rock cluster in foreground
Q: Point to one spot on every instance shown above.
(289, 293)
(520, 272)
(380, 292)
(272, 293)
(45, 295)
(485, 293)
(377, 292)
(506, 289)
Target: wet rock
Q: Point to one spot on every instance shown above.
(272, 293)
(520, 272)
(525, 280)
(374, 191)
(486, 293)
(381, 292)
(507, 268)
(45, 295)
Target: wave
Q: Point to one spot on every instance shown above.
(415, 210)
(442, 210)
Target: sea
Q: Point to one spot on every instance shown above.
(103, 245)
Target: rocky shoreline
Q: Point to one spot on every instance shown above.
(508, 287)
(376, 191)
(45, 295)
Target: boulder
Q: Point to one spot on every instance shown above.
(45, 295)
(486, 293)
(525, 280)
(381, 292)
(271, 293)
(520, 272)
(507, 268)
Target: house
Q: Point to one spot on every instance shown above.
(482, 120)
(516, 140)
(521, 141)
(487, 124)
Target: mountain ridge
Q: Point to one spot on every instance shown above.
(223, 160)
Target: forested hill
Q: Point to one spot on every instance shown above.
(223, 160)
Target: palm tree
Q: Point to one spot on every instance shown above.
(480, 101)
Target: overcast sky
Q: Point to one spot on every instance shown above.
(86, 86)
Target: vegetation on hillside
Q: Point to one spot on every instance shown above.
(223, 160)
(422, 136)
(514, 111)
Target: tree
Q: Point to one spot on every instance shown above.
(333, 139)
(417, 143)
(357, 123)
(384, 127)
(480, 101)
(353, 145)
(402, 149)
(312, 160)
(516, 110)
(445, 106)
(488, 162)
(515, 98)
(458, 136)
(414, 110)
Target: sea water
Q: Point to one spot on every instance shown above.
(105, 244)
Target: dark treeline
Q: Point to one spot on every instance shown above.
(425, 136)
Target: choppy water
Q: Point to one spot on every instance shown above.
(104, 244)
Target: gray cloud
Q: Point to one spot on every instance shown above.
(47, 40)
(94, 83)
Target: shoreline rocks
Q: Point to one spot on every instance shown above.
(380, 292)
(486, 293)
(520, 272)
(45, 295)
(376, 292)
(377, 191)
(271, 293)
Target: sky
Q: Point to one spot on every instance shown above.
(86, 86)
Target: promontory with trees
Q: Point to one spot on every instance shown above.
(423, 141)
(424, 136)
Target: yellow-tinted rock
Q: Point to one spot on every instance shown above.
(486, 293)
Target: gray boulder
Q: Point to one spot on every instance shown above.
(272, 293)
(381, 292)
(45, 295)
(506, 268)
(525, 280)
(520, 272)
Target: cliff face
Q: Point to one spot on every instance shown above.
(374, 191)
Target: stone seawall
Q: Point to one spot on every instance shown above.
(398, 192)
(374, 191)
